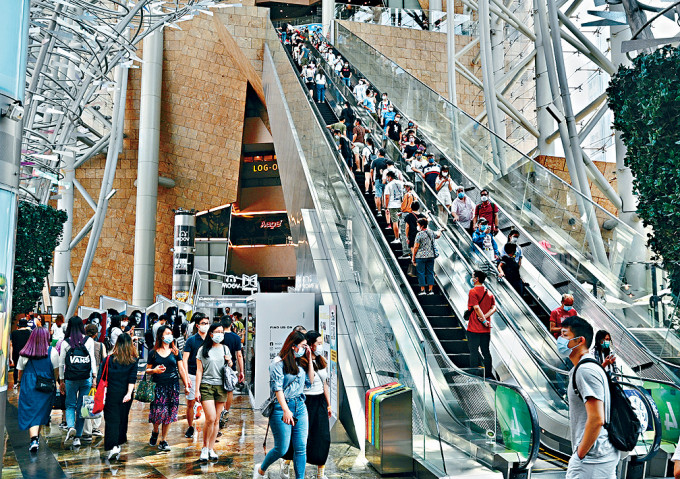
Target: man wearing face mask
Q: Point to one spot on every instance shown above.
(557, 315)
(488, 210)
(383, 107)
(482, 305)
(462, 209)
(483, 238)
(393, 128)
(431, 171)
(189, 358)
(589, 405)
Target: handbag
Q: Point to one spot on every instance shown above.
(87, 409)
(43, 384)
(146, 391)
(229, 377)
(59, 403)
(466, 314)
(434, 244)
(100, 395)
(268, 405)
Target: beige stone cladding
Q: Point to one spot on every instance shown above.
(423, 55)
(202, 112)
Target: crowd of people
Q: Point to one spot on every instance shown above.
(202, 358)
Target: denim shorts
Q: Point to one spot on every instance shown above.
(379, 189)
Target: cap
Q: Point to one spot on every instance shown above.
(409, 184)
(483, 221)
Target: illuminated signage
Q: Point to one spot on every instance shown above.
(271, 224)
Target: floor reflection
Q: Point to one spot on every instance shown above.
(239, 446)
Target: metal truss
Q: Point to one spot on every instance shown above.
(79, 55)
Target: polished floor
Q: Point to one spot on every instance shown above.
(239, 447)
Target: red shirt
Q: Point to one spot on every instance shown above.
(558, 314)
(474, 296)
(489, 211)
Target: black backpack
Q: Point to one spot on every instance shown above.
(78, 364)
(624, 425)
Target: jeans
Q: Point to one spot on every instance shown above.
(320, 92)
(75, 390)
(477, 342)
(346, 81)
(425, 268)
(282, 433)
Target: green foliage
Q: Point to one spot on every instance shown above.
(645, 99)
(39, 230)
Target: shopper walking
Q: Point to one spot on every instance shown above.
(57, 329)
(320, 81)
(120, 370)
(482, 305)
(189, 359)
(77, 369)
(234, 342)
(166, 366)
(424, 256)
(115, 329)
(318, 402)
(92, 426)
(594, 456)
(287, 380)
(211, 360)
(38, 367)
(17, 340)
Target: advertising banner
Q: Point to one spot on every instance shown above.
(8, 204)
(328, 329)
(14, 41)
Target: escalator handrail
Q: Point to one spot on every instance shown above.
(674, 369)
(416, 307)
(445, 228)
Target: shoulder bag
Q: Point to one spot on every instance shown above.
(268, 405)
(466, 314)
(146, 391)
(229, 376)
(100, 395)
(43, 384)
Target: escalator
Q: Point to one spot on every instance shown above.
(528, 343)
(462, 424)
(553, 265)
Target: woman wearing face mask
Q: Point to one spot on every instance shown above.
(289, 419)
(444, 186)
(513, 238)
(603, 350)
(211, 359)
(318, 404)
(118, 323)
(423, 256)
(166, 366)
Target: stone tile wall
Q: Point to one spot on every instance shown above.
(202, 113)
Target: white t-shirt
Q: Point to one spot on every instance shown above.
(57, 332)
(89, 345)
(395, 189)
(320, 377)
(54, 359)
(444, 193)
(394, 169)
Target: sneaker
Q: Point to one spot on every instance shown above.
(35, 444)
(114, 454)
(199, 411)
(163, 446)
(431, 293)
(76, 442)
(70, 434)
(63, 425)
(422, 293)
(154, 439)
(224, 419)
(256, 472)
(285, 469)
(87, 437)
(213, 455)
(190, 432)
(379, 215)
(219, 433)
(205, 454)
(396, 241)
(97, 433)
(404, 257)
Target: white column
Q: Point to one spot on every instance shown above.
(147, 171)
(327, 18)
(546, 124)
(62, 254)
(451, 51)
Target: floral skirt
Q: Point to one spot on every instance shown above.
(163, 409)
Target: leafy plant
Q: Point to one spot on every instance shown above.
(39, 230)
(645, 99)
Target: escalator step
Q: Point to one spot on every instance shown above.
(436, 310)
(452, 333)
(455, 346)
(460, 360)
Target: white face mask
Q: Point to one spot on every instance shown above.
(513, 240)
(484, 198)
(445, 174)
(124, 324)
(204, 328)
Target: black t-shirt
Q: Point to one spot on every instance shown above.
(171, 374)
(410, 150)
(379, 165)
(348, 115)
(233, 342)
(394, 130)
(191, 347)
(511, 269)
(412, 222)
(346, 72)
(19, 338)
(345, 148)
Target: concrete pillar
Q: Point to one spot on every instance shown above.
(147, 171)
(328, 18)
(62, 254)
